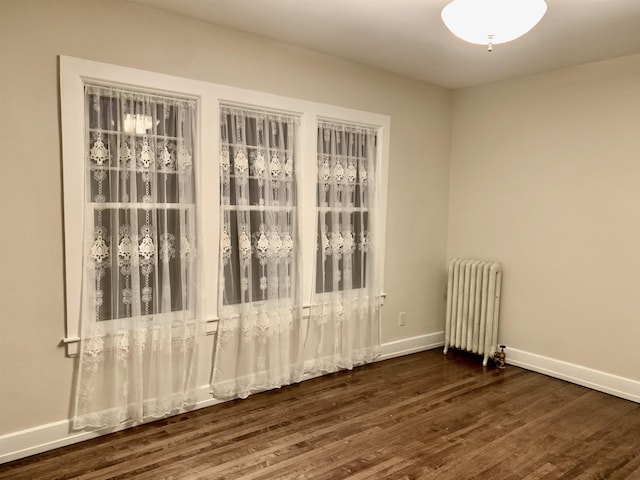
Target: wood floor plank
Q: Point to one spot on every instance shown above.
(423, 416)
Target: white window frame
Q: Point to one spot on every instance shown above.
(74, 72)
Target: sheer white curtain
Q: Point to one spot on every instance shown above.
(258, 343)
(344, 328)
(140, 305)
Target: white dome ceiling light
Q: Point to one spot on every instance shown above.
(489, 22)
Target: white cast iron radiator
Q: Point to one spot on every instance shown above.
(473, 306)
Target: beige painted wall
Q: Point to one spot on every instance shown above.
(545, 177)
(35, 377)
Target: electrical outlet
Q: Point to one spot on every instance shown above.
(402, 319)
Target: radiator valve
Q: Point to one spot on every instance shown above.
(500, 357)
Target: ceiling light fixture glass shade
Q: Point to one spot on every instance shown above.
(488, 22)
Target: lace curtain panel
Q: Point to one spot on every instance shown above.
(140, 303)
(258, 344)
(344, 326)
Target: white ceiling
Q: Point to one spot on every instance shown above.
(409, 38)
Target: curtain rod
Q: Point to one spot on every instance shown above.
(262, 110)
(347, 123)
(121, 87)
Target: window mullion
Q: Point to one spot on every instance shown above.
(307, 199)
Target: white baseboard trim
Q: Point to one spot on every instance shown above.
(46, 437)
(407, 346)
(622, 387)
(42, 438)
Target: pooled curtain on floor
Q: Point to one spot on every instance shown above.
(344, 326)
(258, 345)
(140, 304)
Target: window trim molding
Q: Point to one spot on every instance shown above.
(74, 72)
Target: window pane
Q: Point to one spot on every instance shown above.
(258, 202)
(140, 184)
(343, 206)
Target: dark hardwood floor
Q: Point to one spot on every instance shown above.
(414, 417)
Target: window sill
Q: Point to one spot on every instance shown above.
(72, 344)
